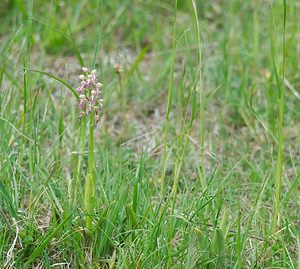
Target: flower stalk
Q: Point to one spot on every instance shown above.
(119, 70)
(90, 104)
(90, 180)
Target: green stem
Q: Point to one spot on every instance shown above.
(91, 160)
(79, 162)
(201, 95)
(25, 83)
(170, 96)
(280, 128)
(122, 95)
(89, 185)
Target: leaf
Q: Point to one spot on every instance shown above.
(61, 126)
(131, 215)
(56, 78)
(44, 243)
(137, 61)
(70, 39)
(218, 242)
(22, 8)
(8, 201)
(217, 247)
(88, 201)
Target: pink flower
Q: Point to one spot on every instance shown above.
(82, 104)
(90, 94)
(80, 89)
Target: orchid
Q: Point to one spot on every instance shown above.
(89, 91)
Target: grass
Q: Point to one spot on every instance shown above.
(196, 158)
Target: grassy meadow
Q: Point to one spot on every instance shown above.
(195, 161)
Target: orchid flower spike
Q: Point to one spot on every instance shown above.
(90, 99)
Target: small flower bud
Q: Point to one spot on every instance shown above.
(93, 92)
(84, 69)
(92, 100)
(89, 108)
(82, 96)
(94, 72)
(80, 89)
(99, 85)
(82, 105)
(81, 114)
(81, 77)
(118, 68)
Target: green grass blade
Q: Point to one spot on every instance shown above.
(56, 78)
(45, 242)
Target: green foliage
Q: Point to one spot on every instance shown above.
(194, 165)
